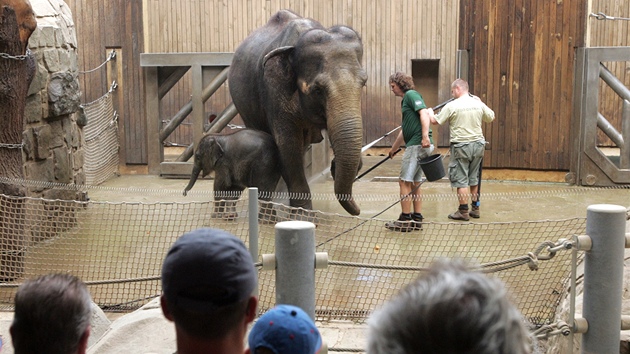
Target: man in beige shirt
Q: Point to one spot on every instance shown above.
(465, 115)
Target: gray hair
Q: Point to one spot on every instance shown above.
(52, 313)
(451, 309)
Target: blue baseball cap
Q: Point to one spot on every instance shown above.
(285, 329)
(207, 269)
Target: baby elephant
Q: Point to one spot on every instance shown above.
(246, 158)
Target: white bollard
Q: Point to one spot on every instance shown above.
(603, 278)
(295, 265)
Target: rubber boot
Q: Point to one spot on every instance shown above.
(460, 214)
(474, 212)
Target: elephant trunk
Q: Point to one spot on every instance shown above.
(193, 177)
(346, 135)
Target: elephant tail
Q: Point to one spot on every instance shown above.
(193, 177)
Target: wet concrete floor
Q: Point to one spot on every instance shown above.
(377, 193)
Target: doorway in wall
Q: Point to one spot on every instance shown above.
(426, 73)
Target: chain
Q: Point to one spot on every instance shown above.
(554, 329)
(603, 16)
(111, 56)
(16, 57)
(11, 146)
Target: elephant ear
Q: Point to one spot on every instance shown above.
(218, 152)
(278, 51)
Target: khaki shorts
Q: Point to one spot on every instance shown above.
(410, 168)
(463, 168)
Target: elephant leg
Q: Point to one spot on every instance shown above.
(266, 213)
(292, 160)
(225, 204)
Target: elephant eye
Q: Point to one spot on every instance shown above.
(317, 91)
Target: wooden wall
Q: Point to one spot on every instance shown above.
(520, 52)
(610, 33)
(393, 32)
(101, 26)
(522, 65)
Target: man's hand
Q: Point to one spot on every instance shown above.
(392, 152)
(426, 142)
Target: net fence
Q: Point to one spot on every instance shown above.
(117, 248)
(101, 140)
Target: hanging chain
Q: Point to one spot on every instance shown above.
(16, 57)
(11, 146)
(603, 16)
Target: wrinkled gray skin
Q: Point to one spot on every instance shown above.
(293, 78)
(247, 158)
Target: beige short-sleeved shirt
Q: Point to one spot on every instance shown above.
(465, 116)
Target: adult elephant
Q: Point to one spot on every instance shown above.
(293, 78)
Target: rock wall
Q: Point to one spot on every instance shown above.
(53, 148)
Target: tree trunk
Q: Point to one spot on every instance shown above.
(17, 69)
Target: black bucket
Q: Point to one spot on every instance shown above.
(432, 167)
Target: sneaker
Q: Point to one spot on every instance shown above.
(416, 222)
(400, 225)
(474, 212)
(459, 215)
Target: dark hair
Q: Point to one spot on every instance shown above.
(404, 81)
(52, 313)
(210, 326)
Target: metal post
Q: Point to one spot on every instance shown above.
(252, 208)
(295, 265)
(603, 278)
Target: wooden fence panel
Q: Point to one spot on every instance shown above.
(521, 64)
(393, 32)
(102, 26)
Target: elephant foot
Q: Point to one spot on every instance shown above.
(300, 214)
(267, 219)
(225, 216)
(267, 214)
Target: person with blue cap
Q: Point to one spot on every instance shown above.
(208, 283)
(285, 329)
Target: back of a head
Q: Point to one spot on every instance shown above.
(208, 277)
(52, 313)
(449, 310)
(285, 329)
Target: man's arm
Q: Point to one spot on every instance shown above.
(425, 121)
(396, 145)
(431, 115)
(488, 114)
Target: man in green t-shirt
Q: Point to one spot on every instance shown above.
(415, 135)
(465, 115)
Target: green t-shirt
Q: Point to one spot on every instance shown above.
(411, 105)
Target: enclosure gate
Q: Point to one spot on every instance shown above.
(209, 71)
(161, 72)
(591, 166)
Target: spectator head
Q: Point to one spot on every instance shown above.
(285, 329)
(208, 279)
(450, 309)
(52, 315)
